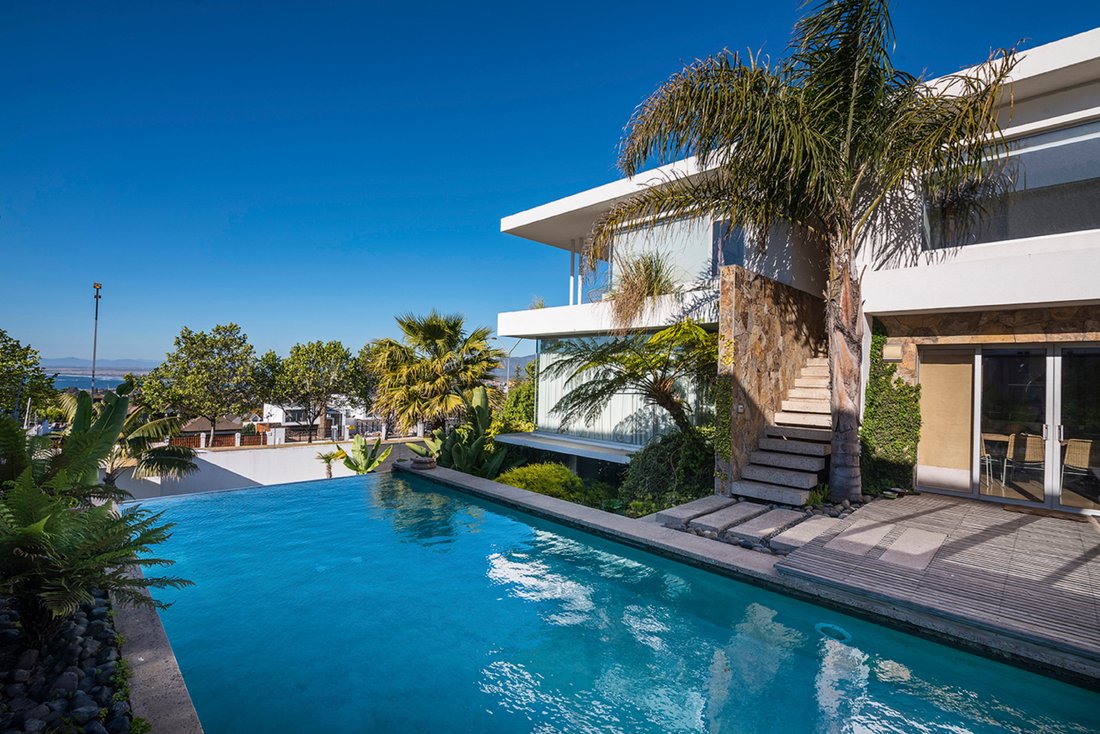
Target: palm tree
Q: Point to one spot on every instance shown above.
(819, 140)
(657, 367)
(327, 457)
(421, 378)
(143, 444)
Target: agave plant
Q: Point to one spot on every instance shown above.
(362, 460)
(469, 447)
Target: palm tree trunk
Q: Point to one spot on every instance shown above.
(328, 470)
(679, 416)
(213, 427)
(844, 324)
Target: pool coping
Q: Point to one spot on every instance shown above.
(158, 692)
(759, 569)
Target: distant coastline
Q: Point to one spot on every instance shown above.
(84, 381)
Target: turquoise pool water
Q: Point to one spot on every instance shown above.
(389, 603)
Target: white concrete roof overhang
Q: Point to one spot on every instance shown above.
(565, 222)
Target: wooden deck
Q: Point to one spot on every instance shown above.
(1030, 577)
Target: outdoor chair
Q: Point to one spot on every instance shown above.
(987, 462)
(1025, 451)
(1082, 455)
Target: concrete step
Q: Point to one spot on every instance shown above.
(765, 526)
(802, 533)
(817, 362)
(791, 446)
(815, 371)
(770, 492)
(716, 522)
(681, 515)
(808, 393)
(807, 406)
(805, 420)
(824, 435)
(812, 382)
(783, 460)
(783, 477)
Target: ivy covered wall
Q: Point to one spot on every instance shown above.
(891, 423)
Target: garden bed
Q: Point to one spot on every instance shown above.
(76, 682)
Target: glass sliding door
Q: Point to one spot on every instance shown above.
(1078, 404)
(1014, 425)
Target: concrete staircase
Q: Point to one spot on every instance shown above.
(793, 451)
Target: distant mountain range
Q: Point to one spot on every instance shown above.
(106, 364)
(513, 364)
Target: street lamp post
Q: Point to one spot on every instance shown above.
(95, 333)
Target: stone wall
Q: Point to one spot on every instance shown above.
(766, 332)
(1008, 326)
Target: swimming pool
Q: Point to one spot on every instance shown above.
(391, 603)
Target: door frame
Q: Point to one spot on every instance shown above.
(1052, 481)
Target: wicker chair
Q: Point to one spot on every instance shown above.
(1025, 451)
(1082, 455)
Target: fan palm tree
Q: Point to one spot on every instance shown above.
(657, 367)
(327, 457)
(421, 378)
(142, 444)
(821, 140)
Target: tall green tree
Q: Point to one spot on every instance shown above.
(310, 376)
(423, 376)
(22, 378)
(822, 140)
(208, 374)
(362, 378)
(664, 369)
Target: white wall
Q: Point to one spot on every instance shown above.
(248, 467)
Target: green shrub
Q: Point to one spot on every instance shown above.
(891, 424)
(554, 480)
(675, 468)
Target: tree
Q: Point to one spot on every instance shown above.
(142, 444)
(362, 382)
(658, 367)
(22, 378)
(327, 457)
(207, 375)
(307, 379)
(423, 377)
(518, 411)
(824, 140)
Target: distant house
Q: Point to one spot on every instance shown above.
(341, 419)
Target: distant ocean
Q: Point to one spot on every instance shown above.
(84, 382)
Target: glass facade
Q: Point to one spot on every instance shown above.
(1049, 184)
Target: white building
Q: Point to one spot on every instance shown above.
(1000, 326)
(340, 416)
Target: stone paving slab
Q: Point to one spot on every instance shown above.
(914, 549)
(860, 537)
(680, 516)
(716, 522)
(802, 533)
(770, 523)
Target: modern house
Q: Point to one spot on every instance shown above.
(997, 320)
(341, 416)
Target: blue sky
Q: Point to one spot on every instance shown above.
(310, 169)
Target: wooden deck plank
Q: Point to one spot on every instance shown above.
(1031, 576)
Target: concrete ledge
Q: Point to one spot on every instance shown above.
(158, 692)
(760, 569)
